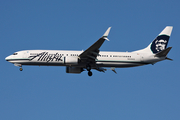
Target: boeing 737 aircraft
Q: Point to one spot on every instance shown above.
(93, 58)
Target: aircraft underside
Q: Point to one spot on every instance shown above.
(78, 68)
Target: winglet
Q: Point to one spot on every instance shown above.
(107, 32)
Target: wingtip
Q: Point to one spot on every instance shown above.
(107, 32)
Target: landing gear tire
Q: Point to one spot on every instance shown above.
(89, 73)
(20, 69)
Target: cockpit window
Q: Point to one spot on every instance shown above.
(15, 53)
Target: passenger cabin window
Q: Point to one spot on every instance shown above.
(15, 53)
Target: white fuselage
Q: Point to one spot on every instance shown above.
(70, 58)
(93, 58)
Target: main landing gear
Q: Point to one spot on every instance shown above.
(89, 73)
(88, 67)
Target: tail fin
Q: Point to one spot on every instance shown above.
(159, 43)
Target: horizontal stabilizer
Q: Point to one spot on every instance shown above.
(163, 53)
(169, 59)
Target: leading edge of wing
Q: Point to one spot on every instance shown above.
(93, 50)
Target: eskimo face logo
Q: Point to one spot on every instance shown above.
(160, 45)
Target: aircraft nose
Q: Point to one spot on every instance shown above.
(7, 58)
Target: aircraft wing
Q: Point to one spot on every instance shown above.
(92, 52)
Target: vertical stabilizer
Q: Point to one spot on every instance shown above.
(159, 43)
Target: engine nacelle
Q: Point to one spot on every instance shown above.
(74, 70)
(71, 60)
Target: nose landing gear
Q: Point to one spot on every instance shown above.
(21, 69)
(19, 65)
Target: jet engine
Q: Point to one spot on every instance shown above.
(76, 70)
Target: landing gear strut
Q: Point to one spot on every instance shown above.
(88, 67)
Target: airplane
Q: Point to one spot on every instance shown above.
(93, 58)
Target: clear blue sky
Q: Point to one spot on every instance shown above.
(48, 93)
